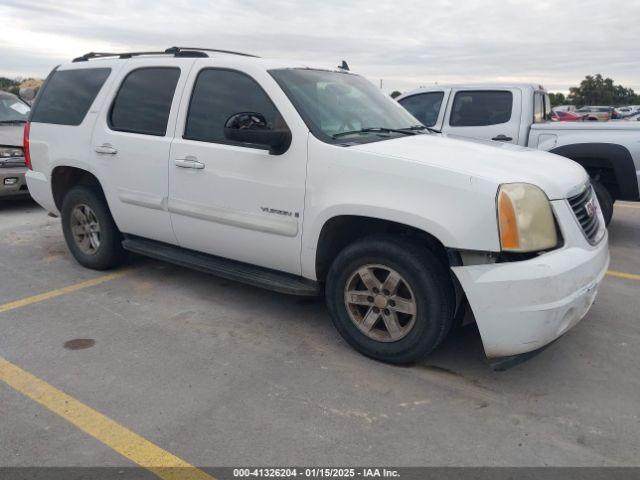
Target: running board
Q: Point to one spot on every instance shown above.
(224, 268)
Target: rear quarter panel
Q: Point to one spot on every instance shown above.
(53, 145)
(554, 136)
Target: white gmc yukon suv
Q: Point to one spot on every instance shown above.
(520, 114)
(310, 181)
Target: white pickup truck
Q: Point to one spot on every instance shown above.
(519, 113)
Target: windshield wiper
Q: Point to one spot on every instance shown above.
(12, 121)
(422, 127)
(374, 130)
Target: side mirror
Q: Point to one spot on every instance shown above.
(252, 127)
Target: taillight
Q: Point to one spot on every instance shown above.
(25, 146)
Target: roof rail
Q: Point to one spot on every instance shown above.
(197, 49)
(175, 51)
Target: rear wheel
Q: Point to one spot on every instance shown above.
(604, 199)
(89, 230)
(391, 299)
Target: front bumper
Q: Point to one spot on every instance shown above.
(13, 174)
(522, 306)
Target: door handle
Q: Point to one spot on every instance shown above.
(188, 162)
(107, 149)
(502, 138)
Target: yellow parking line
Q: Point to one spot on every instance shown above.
(62, 291)
(617, 204)
(127, 443)
(628, 276)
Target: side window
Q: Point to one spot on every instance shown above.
(67, 96)
(424, 106)
(481, 108)
(547, 107)
(538, 107)
(217, 95)
(144, 100)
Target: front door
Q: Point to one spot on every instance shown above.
(236, 200)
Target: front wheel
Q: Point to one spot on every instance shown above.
(605, 200)
(89, 230)
(391, 299)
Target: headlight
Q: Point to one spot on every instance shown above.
(11, 152)
(525, 219)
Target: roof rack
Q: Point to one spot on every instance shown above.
(197, 49)
(175, 51)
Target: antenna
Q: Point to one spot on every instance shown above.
(344, 66)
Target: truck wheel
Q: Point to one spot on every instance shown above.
(89, 230)
(605, 201)
(391, 299)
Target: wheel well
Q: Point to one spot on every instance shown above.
(338, 232)
(64, 179)
(601, 170)
(611, 164)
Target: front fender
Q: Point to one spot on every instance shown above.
(455, 208)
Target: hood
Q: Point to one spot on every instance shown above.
(11, 135)
(497, 162)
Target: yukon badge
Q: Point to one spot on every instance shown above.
(280, 212)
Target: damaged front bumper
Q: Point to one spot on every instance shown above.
(522, 306)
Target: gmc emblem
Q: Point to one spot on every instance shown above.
(591, 208)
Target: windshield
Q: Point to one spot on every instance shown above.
(344, 108)
(12, 109)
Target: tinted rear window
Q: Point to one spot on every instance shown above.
(68, 95)
(143, 102)
(481, 108)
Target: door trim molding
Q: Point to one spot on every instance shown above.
(142, 199)
(287, 227)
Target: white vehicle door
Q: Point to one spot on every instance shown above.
(131, 143)
(485, 114)
(428, 107)
(231, 199)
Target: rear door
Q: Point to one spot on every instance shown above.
(485, 114)
(131, 144)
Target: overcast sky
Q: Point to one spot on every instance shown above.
(407, 44)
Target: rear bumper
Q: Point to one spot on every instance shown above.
(522, 306)
(12, 182)
(40, 190)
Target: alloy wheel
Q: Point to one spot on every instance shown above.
(380, 303)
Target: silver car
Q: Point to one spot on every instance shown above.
(13, 115)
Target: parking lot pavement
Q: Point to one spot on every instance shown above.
(217, 373)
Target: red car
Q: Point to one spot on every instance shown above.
(566, 117)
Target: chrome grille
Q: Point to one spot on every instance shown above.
(585, 207)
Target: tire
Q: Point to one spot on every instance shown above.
(424, 280)
(107, 252)
(605, 201)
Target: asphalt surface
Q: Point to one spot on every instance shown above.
(222, 374)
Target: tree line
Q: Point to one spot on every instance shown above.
(13, 85)
(596, 90)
